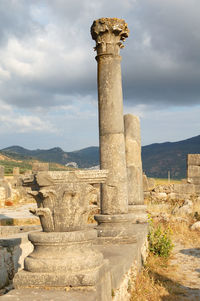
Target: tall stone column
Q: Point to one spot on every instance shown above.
(134, 167)
(109, 34)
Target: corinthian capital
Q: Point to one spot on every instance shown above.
(109, 34)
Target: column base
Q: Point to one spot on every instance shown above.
(62, 259)
(116, 228)
(88, 279)
(139, 212)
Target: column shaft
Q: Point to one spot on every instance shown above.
(114, 198)
(133, 159)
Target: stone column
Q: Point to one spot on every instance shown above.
(134, 167)
(108, 34)
(16, 171)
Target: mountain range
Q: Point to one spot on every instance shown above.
(157, 158)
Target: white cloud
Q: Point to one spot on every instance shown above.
(15, 122)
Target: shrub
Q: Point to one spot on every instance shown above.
(160, 242)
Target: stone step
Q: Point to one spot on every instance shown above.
(48, 295)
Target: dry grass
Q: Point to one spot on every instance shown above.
(159, 280)
(181, 231)
(160, 181)
(180, 228)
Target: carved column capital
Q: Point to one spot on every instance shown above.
(109, 33)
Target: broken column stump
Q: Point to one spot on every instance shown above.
(134, 168)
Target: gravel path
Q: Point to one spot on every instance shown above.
(187, 261)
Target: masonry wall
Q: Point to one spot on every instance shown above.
(193, 171)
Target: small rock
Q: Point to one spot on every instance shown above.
(188, 203)
(8, 203)
(161, 195)
(186, 208)
(195, 226)
(172, 196)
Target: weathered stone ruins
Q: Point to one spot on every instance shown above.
(67, 256)
(189, 189)
(68, 253)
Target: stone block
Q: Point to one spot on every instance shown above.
(184, 188)
(28, 172)
(13, 250)
(2, 196)
(194, 180)
(135, 185)
(195, 226)
(197, 189)
(47, 295)
(193, 159)
(140, 213)
(38, 166)
(151, 183)
(1, 172)
(116, 228)
(162, 196)
(172, 196)
(16, 171)
(193, 171)
(145, 183)
(133, 153)
(4, 184)
(132, 128)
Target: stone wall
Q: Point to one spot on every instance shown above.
(172, 192)
(193, 171)
(188, 189)
(14, 247)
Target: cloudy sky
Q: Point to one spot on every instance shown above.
(48, 90)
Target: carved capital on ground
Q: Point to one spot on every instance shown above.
(63, 197)
(108, 34)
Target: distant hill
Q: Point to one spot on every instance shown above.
(157, 158)
(84, 158)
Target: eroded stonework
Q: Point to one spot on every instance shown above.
(108, 34)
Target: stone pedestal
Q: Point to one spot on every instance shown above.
(109, 34)
(134, 168)
(62, 259)
(116, 228)
(63, 255)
